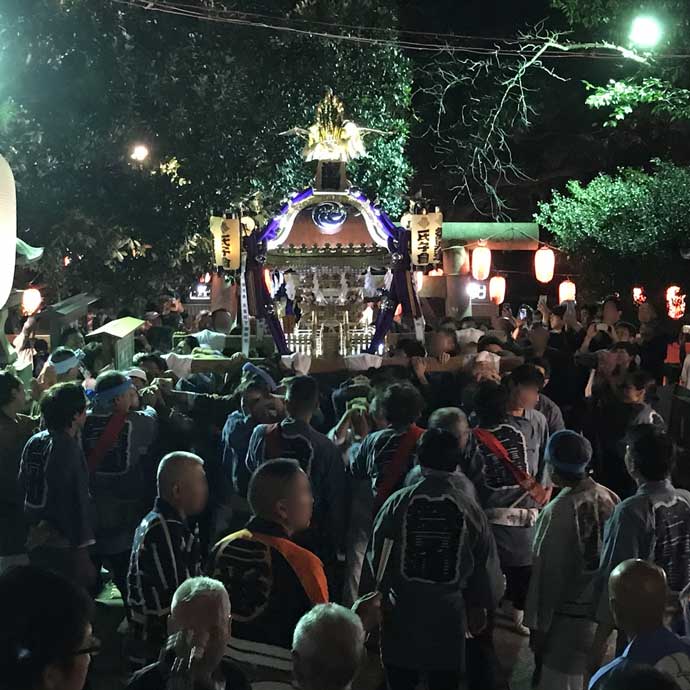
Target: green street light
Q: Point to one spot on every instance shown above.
(645, 32)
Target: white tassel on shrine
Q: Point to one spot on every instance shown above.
(369, 289)
(291, 282)
(388, 279)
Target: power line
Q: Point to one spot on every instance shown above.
(185, 10)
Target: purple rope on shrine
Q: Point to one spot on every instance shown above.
(270, 232)
(263, 302)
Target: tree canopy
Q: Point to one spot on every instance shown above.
(82, 83)
(624, 227)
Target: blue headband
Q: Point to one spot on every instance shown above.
(67, 364)
(253, 370)
(581, 447)
(112, 393)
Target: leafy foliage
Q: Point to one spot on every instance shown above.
(81, 83)
(624, 220)
(625, 96)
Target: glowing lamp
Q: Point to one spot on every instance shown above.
(481, 262)
(497, 289)
(567, 292)
(419, 280)
(645, 32)
(8, 230)
(31, 301)
(544, 264)
(436, 272)
(675, 302)
(639, 296)
(139, 153)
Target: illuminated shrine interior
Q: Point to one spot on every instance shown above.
(330, 266)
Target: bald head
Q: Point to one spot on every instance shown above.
(182, 482)
(637, 595)
(327, 648)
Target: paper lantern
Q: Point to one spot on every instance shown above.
(544, 264)
(481, 262)
(675, 302)
(497, 289)
(639, 295)
(567, 292)
(31, 301)
(8, 230)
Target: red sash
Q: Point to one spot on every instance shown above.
(398, 466)
(525, 480)
(106, 441)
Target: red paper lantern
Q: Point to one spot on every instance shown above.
(497, 289)
(675, 302)
(567, 291)
(639, 295)
(481, 262)
(544, 264)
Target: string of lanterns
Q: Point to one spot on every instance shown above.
(544, 268)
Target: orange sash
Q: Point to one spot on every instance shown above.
(305, 564)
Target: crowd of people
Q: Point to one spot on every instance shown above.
(269, 525)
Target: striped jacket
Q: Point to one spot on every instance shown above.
(165, 553)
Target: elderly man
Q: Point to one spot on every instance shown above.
(654, 525)
(637, 596)
(165, 552)
(567, 547)
(327, 648)
(454, 421)
(199, 629)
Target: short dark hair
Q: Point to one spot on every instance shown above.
(559, 311)
(61, 403)
(526, 375)
(543, 363)
(615, 300)
(9, 383)
(631, 676)
(302, 395)
(438, 450)
(44, 621)
(651, 452)
(491, 403)
(150, 357)
(191, 342)
(628, 326)
(638, 380)
(269, 484)
(628, 347)
(402, 404)
(486, 341)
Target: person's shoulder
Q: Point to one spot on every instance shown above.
(234, 677)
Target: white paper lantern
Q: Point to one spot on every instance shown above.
(8, 230)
